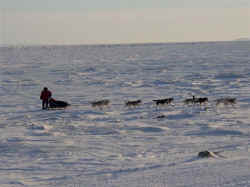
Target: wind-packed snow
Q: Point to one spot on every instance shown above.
(119, 146)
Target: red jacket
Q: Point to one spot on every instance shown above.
(45, 95)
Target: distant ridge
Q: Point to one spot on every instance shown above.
(243, 39)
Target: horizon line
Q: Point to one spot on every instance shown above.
(120, 44)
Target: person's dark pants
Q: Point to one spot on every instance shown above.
(45, 104)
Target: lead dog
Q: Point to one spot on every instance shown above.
(226, 101)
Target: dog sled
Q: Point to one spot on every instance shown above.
(57, 104)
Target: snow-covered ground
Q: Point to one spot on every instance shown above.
(117, 146)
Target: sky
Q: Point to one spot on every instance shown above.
(29, 22)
